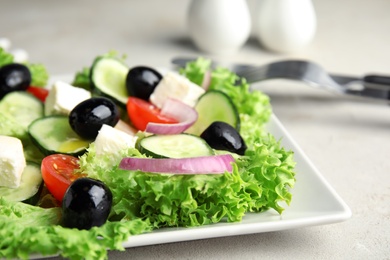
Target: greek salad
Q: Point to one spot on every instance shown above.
(119, 151)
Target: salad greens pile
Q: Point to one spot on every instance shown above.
(142, 202)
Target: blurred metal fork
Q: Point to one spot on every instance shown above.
(304, 71)
(312, 74)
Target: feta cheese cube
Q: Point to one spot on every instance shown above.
(176, 86)
(111, 140)
(63, 97)
(12, 161)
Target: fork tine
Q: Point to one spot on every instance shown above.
(290, 69)
(301, 70)
(253, 74)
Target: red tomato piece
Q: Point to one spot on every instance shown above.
(40, 93)
(142, 112)
(58, 172)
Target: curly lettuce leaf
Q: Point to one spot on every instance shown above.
(82, 79)
(196, 70)
(26, 229)
(269, 165)
(259, 181)
(39, 74)
(165, 199)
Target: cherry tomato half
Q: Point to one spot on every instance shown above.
(58, 172)
(142, 112)
(40, 93)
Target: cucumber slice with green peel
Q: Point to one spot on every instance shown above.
(108, 77)
(17, 110)
(53, 134)
(22, 107)
(213, 106)
(30, 185)
(174, 146)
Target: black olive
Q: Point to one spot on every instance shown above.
(87, 117)
(86, 204)
(222, 136)
(14, 77)
(141, 82)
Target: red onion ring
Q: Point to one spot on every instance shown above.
(184, 114)
(216, 164)
(206, 80)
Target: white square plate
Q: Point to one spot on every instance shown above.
(314, 202)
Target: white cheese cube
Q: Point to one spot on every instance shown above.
(12, 161)
(63, 97)
(111, 140)
(176, 86)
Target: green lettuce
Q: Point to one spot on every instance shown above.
(261, 180)
(167, 199)
(39, 74)
(27, 229)
(82, 79)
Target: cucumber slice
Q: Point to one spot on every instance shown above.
(22, 107)
(30, 185)
(213, 106)
(53, 134)
(174, 146)
(108, 77)
(17, 110)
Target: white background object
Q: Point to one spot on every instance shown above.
(219, 26)
(285, 25)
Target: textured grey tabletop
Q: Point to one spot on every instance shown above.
(347, 139)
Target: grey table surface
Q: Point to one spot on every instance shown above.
(346, 138)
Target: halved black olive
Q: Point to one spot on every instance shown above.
(14, 77)
(86, 204)
(87, 117)
(141, 82)
(222, 136)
